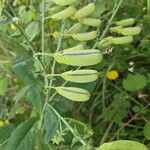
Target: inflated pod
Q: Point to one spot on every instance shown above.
(91, 22)
(55, 9)
(122, 40)
(64, 2)
(80, 76)
(75, 48)
(125, 22)
(85, 36)
(66, 13)
(79, 58)
(73, 93)
(130, 31)
(75, 28)
(105, 42)
(122, 145)
(115, 29)
(85, 11)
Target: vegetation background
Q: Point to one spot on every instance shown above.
(118, 108)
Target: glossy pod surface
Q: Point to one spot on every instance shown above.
(91, 22)
(67, 12)
(122, 40)
(64, 2)
(130, 31)
(122, 145)
(125, 22)
(81, 76)
(85, 11)
(79, 57)
(85, 36)
(73, 93)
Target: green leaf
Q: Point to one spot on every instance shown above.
(34, 97)
(5, 132)
(51, 125)
(24, 14)
(32, 30)
(147, 130)
(21, 93)
(22, 137)
(41, 145)
(3, 86)
(134, 82)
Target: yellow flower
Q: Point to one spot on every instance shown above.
(12, 26)
(1, 123)
(112, 75)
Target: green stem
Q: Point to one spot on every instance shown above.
(148, 8)
(67, 125)
(116, 8)
(51, 81)
(106, 133)
(119, 89)
(44, 54)
(43, 31)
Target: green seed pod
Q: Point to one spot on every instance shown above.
(105, 42)
(73, 93)
(125, 22)
(122, 145)
(64, 2)
(79, 58)
(74, 29)
(66, 13)
(55, 9)
(85, 11)
(85, 36)
(91, 22)
(130, 31)
(122, 40)
(115, 29)
(75, 48)
(81, 76)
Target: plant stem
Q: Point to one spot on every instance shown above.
(119, 89)
(51, 81)
(43, 31)
(148, 8)
(67, 125)
(106, 133)
(116, 8)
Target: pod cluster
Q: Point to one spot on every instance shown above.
(123, 28)
(77, 55)
(81, 17)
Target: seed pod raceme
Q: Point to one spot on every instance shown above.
(122, 40)
(105, 42)
(79, 57)
(66, 13)
(130, 31)
(125, 22)
(85, 36)
(91, 22)
(74, 29)
(73, 93)
(64, 2)
(85, 11)
(122, 145)
(75, 48)
(81, 76)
